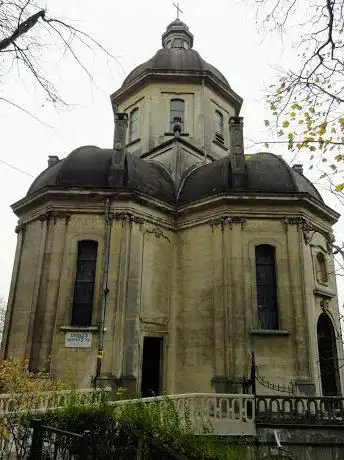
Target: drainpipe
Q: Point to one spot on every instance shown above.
(203, 121)
(108, 226)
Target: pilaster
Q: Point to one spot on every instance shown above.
(20, 231)
(36, 285)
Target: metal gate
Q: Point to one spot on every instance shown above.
(49, 443)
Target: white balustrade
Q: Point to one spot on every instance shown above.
(224, 414)
(48, 400)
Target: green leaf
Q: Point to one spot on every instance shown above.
(339, 187)
(285, 124)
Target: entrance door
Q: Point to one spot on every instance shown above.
(151, 366)
(328, 361)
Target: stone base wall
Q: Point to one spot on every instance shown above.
(301, 443)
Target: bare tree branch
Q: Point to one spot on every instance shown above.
(23, 28)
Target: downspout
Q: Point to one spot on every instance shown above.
(108, 226)
(203, 120)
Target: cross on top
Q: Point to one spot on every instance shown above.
(176, 5)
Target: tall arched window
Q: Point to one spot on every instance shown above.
(218, 123)
(177, 110)
(266, 287)
(328, 361)
(321, 268)
(134, 125)
(84, 283)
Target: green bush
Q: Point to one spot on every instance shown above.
(120, 427)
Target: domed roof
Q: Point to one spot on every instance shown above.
(89, 167)
(176, 60)
(176, 56)
(265, 174)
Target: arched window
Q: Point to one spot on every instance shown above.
(84, 283)
(328, 361)
(266, 287)
(134, 125)
(218, 123)
(177, 110)
(321, 268)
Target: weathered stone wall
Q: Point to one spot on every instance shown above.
(189, 280)
(153, 102)
(301, 443)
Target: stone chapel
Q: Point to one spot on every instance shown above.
(161, 264)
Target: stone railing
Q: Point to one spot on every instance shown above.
(299, 410)
(48, 400)
(222, 414)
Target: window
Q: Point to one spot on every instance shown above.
(266, 287)
(328, 360)
(219, 123)
(177, 113)
(321, 270)
(133, 125)
(84, 283)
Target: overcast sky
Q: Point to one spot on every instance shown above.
(225, 35)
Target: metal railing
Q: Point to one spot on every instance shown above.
(300, 410)
(226, 413)
(51, 443)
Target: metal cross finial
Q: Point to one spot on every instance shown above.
(176, 5)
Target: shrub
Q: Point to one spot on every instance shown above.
(115, 428)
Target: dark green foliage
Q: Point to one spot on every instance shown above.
(154, 428)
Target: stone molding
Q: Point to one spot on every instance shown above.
(128, 217)
(308, 230)
(20, 228)
(228, 220)
(54, 215)
(325, 304)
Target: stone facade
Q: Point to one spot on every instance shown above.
(189, 279)
(184, 272)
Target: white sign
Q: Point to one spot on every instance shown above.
(78, 339)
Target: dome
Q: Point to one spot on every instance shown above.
(266, 173)
(169, 61)
(89, 167)
(176, 56)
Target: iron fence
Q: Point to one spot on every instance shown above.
(50, 443)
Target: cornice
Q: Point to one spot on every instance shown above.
(154, 75)
(59, 203)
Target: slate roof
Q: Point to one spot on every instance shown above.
(176, 60)
(88, 167)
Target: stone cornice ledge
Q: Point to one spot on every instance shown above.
(324, 292)
(264, 332)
